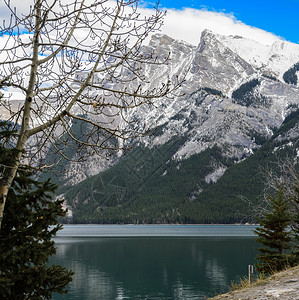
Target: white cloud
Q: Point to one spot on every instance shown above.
(187, 25)
(22, 7)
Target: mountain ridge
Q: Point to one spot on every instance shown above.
(228, 111)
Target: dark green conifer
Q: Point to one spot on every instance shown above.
(290, 76)
(295, 227)
(274, 234)
(29, 223)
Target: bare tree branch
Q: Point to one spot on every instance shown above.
(77, 60)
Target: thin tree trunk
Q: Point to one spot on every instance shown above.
(10, 171)
(5, 184)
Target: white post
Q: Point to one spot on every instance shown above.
(250, 271)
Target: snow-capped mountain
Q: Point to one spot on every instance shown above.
(211, 110)
(230, 113)
(274, 59)
(234, 96)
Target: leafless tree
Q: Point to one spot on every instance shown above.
(276, 176)
(284, 175)
(74, 60)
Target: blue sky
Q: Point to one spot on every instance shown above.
(264, 21)
(278, 17)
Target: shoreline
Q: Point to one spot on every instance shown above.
(281, 285)
(152, 224)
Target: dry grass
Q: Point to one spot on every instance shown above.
(243, 283)
(261, 278)
(241, 289)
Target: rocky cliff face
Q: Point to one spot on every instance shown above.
(228, 111)
(233, 97)
(217, 107)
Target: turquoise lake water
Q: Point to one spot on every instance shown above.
(153, 261)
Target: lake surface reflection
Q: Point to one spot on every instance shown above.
(153, 267)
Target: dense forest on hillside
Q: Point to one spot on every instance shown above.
(290, 75)
(146, 186)
(246, 95)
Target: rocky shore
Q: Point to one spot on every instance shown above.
(283, 286)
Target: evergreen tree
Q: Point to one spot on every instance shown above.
(29, 223)
(290, 75)
(295, 227)
(274, 234)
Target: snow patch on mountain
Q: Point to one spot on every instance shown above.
(274, 59)
(214, 176)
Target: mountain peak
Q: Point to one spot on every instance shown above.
(207, 37)
(206, 32)
(161, 40)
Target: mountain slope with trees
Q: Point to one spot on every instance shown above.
(147, 186)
